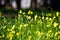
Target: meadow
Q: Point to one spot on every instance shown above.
(31, 25)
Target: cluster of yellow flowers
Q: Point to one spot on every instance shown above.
(31, 27)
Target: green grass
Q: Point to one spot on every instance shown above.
(31, 25)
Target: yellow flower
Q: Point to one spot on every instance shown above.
(23, 13)
(12, 31)
(11, 36)
(20, 11)
(48, 25)
(57, 13)
(30, 37)
(56, 33)
(17, 34)
(20, 27)
(35, 17)
(59, 27)
(25, 25)
(54, 17)
(30, 12)
(43, 17)
(40, 22)
(55, 24)
(38, 33)
(28, 17)
(50, 19)
(19, 16)
(46, 18)
(13, 27)
(48, 35)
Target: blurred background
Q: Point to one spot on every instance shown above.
(30, 4)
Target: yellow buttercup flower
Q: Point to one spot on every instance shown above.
(54, 17)
(20, 27)
(57, 13)
(30, 12)
(29, 37)
(48, 35)
(13, 27)
(43, 17)
(46, 18)
(48, 25)
(35, 17)
(38, 33)
(28, 17)
(56, 33)
(17, 33)
(59, 27)
(23, 13)
(41, 22)
(50, 19)
(25, 25)
(12, 31)
(20, 11)
(11, 36)
(55, 24)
